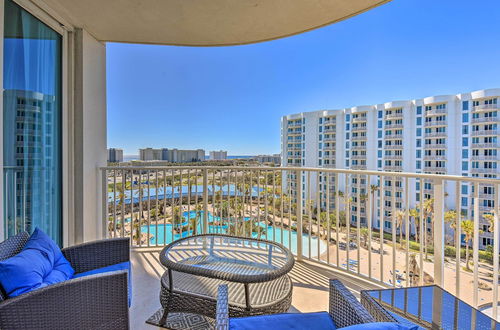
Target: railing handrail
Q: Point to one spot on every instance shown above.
(447, 177)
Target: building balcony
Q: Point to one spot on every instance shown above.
(329, 139)
(393, 157)
(330, 129)
(434, 169)
(358, 147)
(143, 201)
(435, 112)
(436, 123)
(483, 132)
(393, 126)
(393, 116)
(485, 145)
(485, 107)
(359, 129)
(394, 147)
(485, 170)
(434, 157)
(435, 146)
(358, 156)
(393, 168)
(435, 134)
(359, 120)
(358, 167)
(358, 138)
(394, 137)
(485, 120)
(483, 157)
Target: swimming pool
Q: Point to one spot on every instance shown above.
(162, 234)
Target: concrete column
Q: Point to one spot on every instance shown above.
(89, 135)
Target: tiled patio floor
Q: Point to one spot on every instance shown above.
(310, 291)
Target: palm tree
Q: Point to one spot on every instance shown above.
(490, 217)
(415, 214)
(428, 212)
(450, 217)
(468, 230)
(373, 188)
(400, 215)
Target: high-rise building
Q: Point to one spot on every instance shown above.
(447, 134)
(275, 159)
(218, 155)
(172, 155)
(115, 155)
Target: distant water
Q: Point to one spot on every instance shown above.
(207, 157)
(128, 158)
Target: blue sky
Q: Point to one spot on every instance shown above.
(232, 98)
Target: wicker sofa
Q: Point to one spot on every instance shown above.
(97, 301)
(344, 308)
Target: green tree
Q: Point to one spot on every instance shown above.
(468, 230)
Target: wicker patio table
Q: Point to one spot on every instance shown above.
(254, 270)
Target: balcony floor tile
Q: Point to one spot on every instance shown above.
(310, 281)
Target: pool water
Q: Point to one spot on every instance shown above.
(163, 234)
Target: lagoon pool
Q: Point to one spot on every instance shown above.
(163, 234)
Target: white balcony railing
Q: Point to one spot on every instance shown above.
(156, 205)
(484, 120)
(435, 112)
(485, 107)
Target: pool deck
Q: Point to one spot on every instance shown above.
(310, 281)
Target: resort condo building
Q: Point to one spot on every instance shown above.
(172, 155)
(218, 155)
(115, 155)
(446, 134)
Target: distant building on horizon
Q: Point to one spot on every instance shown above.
(115, 155)
(172, 155)
(218, 155)
(275, 159)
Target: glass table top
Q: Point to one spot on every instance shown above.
(431, 307)
(230, 258)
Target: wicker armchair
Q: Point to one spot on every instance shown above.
(90, 302)
(344, 309)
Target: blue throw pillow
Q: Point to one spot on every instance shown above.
(379, 326)
(39, 264)
(295, 321)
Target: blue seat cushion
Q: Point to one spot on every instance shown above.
(380, 326)
(292, 321)
(39, 264)
(121, 266)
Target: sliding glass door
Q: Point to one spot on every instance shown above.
(32, 141)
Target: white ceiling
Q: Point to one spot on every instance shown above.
(204, 22)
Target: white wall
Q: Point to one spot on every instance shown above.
(90, 134)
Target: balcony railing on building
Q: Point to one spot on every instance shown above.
(428, 240)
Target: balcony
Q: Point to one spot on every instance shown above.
(434, 157)
(393, 157)
(483, 157)
(393, 126)
(358, 138)
(330, 129)
(359, 120)
(436, 123)
(435, 112)
(435, 146)
(393, 116)
(435, 134)
(485, 145)
(359, 128)
(485, 107)
(358, 157)
(154, 205)
(393, 147)
(485, 120)
(484, 132)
